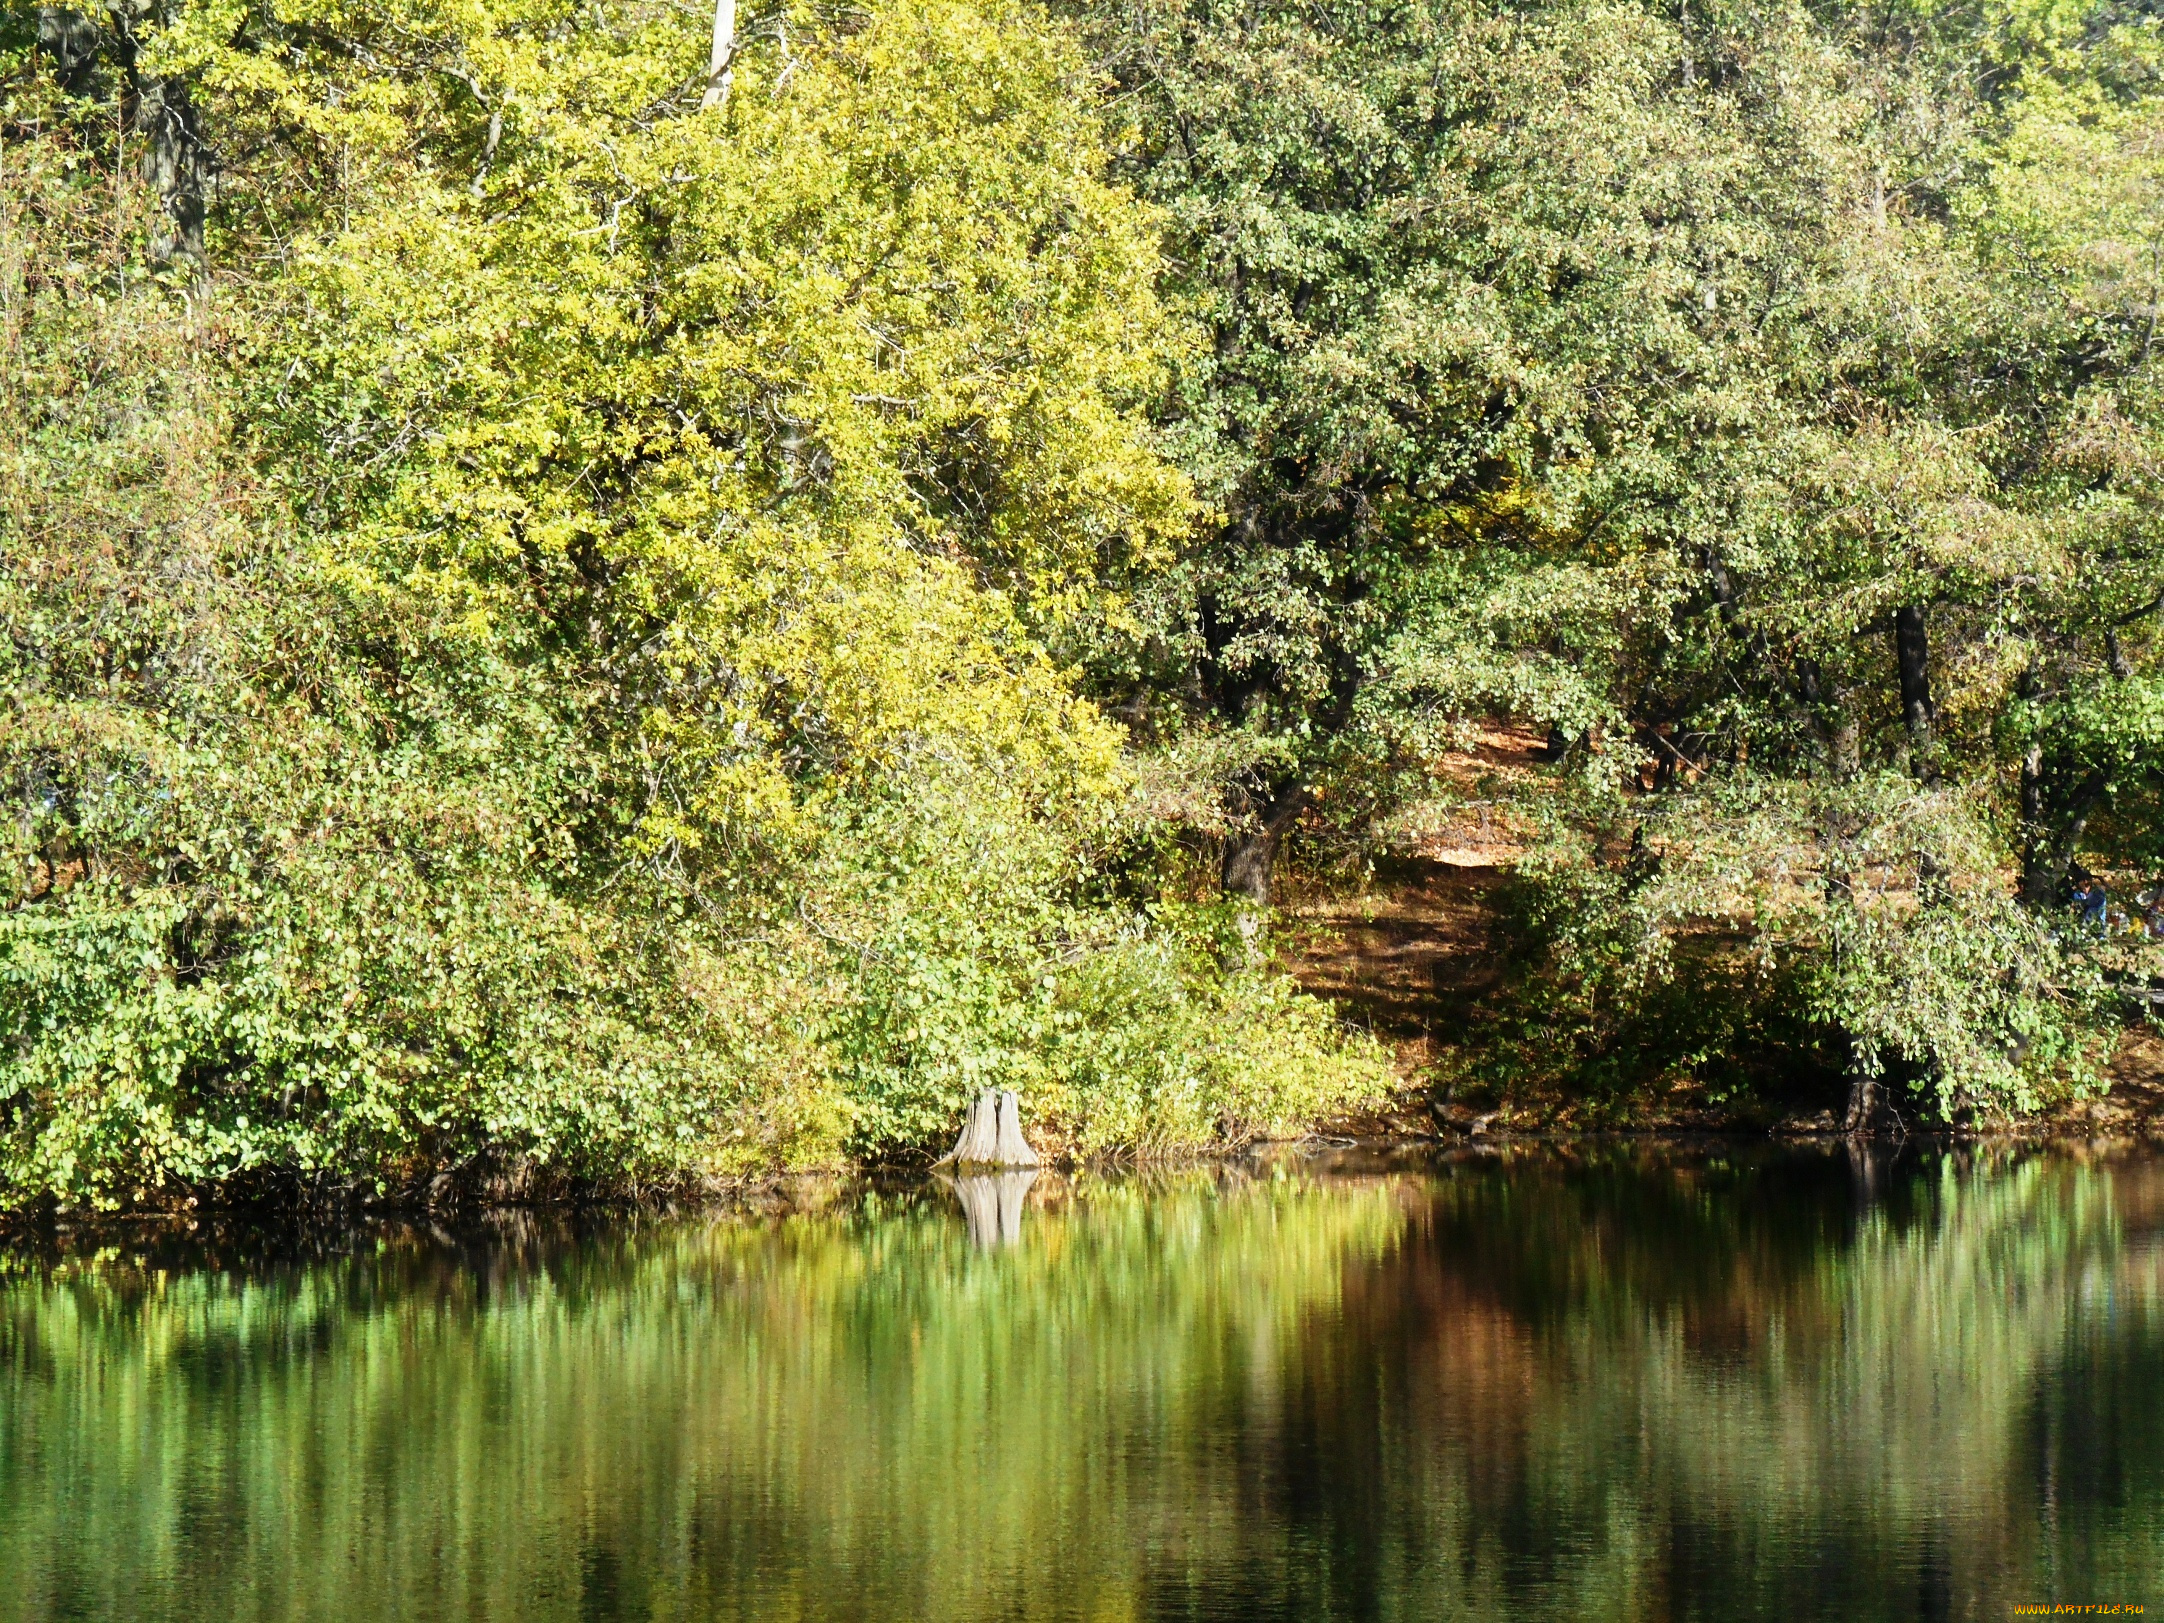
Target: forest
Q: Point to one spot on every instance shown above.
(615, 595)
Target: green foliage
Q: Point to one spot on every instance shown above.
(1759, 402)
(592, 635)
(1479, 282)
(280, 888)
(535, 685)
(1747, 935)
(1124, 1028)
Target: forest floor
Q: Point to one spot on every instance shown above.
(1412, 953)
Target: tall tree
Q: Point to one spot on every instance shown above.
(1495, 295)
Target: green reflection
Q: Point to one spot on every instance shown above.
(1612, 1384)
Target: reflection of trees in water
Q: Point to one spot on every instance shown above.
(1613, 1385)
(862, 1413)
(1701, 1385)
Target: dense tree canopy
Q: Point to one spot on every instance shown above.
(532, 669)
(593, 598)
(1757, 399)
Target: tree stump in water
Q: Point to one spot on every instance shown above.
(992, 1134)
(1014, 1149)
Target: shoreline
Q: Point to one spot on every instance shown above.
(204, 1219)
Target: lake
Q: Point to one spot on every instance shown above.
(1595, 1381)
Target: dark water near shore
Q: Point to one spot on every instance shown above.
(1585, 1384)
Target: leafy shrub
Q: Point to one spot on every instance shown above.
(1758, 934)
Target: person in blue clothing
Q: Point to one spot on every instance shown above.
(2093, 899)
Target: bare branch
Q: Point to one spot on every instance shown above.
(718, 72)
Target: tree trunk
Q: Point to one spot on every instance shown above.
(2039, 881)
(2047, 852)
(1013, 1148)
(2039, 884)
(1827, 709)
(1912, 654)
(1864, 1098)
(70, 41)
(177, 165)
(979, 1142)
(1845, 744)
(1250, 862)
(175, 159)
(1251, 854)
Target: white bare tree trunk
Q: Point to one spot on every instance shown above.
(1014, 1150)
(718, 60)
(992, 1134)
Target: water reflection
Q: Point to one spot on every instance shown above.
(992, 1205)
(1589, 1384)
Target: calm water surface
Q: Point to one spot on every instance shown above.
(1609, 1383)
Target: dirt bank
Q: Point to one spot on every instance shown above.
(1413, 955)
